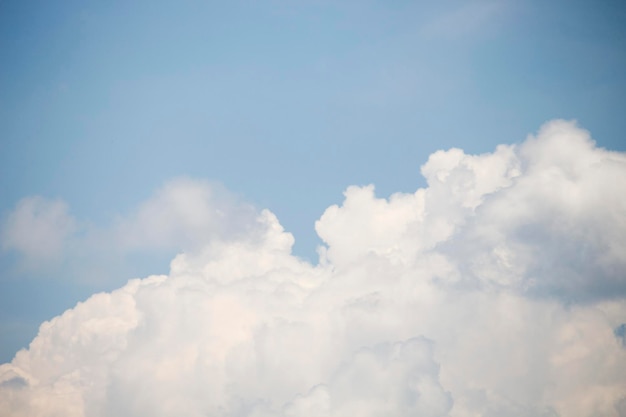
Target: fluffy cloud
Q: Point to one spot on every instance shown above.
(558, 229)
(498, 290)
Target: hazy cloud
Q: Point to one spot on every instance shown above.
(497, 290)
(38, 229)
(183, 215)
(467, 19)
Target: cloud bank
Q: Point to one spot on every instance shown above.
(497, 290)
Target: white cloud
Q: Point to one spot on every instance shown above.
(399, 379)
(38, 228)
(558, 230)
(498, 290)
(183, 215)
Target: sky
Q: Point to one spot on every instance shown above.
(430, 195)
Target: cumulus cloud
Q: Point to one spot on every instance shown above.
(558, 229)
(497, 290)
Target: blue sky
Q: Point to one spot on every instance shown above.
(284, 103)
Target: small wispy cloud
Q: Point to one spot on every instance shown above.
(183, 215)
(38, 229)
(468, 19)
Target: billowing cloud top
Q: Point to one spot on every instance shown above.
(498, 290)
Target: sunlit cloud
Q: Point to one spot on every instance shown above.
(497, 290)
